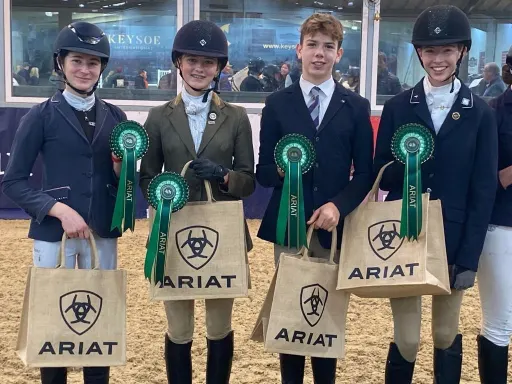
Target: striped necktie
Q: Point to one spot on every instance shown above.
(314, 106)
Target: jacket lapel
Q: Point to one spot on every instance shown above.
(459, 111)
(101, 116)
(178, 119)
(215, 118)
(337, 101)
(300, 106)
(65, 110)
(420, 106)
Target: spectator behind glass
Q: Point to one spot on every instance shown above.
(387, 83)
(224, 78)
(285, 70)
(141, 81)
(352, 79)
(494, 85)
(24, 72)
(34, 76)
(294, 74)
(252, 82)
(116, 80)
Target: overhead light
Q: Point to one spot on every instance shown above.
(81, 5)
(119, 4)
(350, 3)
(354, 27)
(49, 14)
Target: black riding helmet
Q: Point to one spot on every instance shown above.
(84, 38)
(442, 25)
(201, 38)
(256, 66)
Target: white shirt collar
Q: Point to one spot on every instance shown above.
(327, 87)
(430, 90)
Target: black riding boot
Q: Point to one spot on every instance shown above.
(324, 370)
(448, 363)
(220, 356)
(292, 368)
(178, 362)
(54, 375)
(492, 362)
(398, 370)
(96, 375)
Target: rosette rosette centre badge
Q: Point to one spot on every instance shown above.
(129, 142)
(168, 192)
(412, 145)
(294, 155)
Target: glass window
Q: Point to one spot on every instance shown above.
(398, 64)
(262, 37)
(141, 35)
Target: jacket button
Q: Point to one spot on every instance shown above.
(315, 189)
(88, 174)
(317, 139)
(431, 175)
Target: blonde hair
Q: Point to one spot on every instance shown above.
(34, 72)
(323, 23)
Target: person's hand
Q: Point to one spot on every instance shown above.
(505, 176)
(461, 278)
(72, 223)
(206, 169)
(117, 165)
(326, 217)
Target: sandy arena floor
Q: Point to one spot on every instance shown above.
(369, 328)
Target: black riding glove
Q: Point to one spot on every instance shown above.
(461, 278)
(208, 170)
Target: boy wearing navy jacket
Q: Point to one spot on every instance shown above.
(337, 122)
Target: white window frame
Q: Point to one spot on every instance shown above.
(374, 63)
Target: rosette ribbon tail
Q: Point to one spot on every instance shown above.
(124, 212)
(411, 222)
(154, 265)
(291, 209)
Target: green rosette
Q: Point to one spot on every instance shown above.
(412, 145)
(294, 155)
(128, 141)
(167, 192)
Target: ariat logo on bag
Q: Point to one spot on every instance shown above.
(384, 238)
(80, 310)
(197, 245)
(384, 241)
(313, 299)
